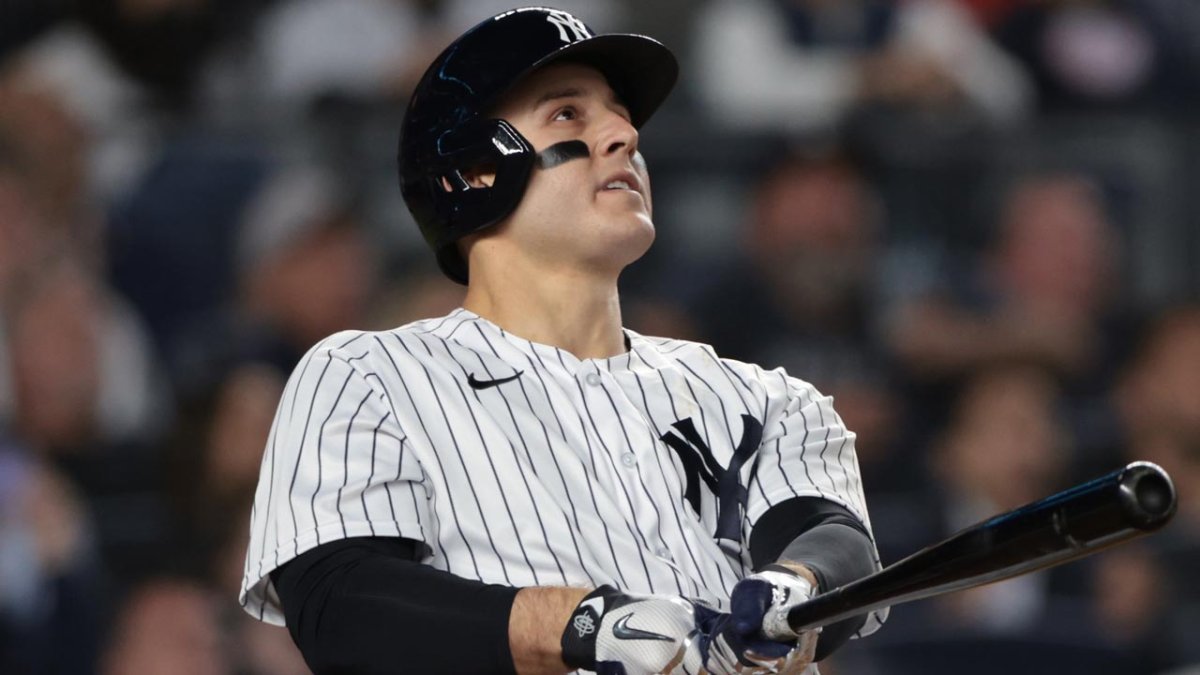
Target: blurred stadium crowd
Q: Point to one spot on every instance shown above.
(975, 223)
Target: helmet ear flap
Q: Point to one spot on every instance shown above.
(465, 207)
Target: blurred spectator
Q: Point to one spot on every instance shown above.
(1004, 446)
(113, 110)
(801, 292)
(128, 71)
(192, 624)
(1035, 293)
(241, 422)
(45, 146)
(985, 467)
(51, 599)
(306, 267)
(1130, 590)
(314, 50)
(173, 242)
(22, 243)
(805, 65)
(1159, 388)
(84, 376)
(1159, 408)
(87, 395)
(262, 268)
(1047, 289)
(1107, 54)
(215, 454)
(168, 626)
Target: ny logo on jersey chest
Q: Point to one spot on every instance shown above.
(700, 466)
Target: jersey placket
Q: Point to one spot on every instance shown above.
(633, 433)
(664, 393)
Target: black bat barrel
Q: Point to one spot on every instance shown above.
(1076, 522)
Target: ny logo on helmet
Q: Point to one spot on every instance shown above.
(565, 22)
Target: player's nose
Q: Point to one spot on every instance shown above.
(618, 135)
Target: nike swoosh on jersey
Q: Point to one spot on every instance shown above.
(484, 384)
(622, 631)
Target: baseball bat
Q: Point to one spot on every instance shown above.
(1115, 508)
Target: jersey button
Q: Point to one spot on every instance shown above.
(593, 379)
(663, 553)
(628, 459)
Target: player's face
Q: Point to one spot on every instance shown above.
(592, 211)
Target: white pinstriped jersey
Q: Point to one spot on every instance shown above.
(516, 463)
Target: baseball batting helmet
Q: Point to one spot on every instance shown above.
(447, 128)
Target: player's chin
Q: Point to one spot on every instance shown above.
(630, 239)
(629, 221)
(643, 232)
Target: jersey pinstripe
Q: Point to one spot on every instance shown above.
(517, 463)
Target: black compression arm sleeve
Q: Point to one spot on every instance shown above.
(824, 537)
(364, 605)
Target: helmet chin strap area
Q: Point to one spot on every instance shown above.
(561, 153)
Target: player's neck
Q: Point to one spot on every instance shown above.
(576, 313)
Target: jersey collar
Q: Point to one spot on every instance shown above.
(482, 336)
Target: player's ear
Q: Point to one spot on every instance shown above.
(483, 175)
(480, 176)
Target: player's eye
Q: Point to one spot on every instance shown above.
(566, 114)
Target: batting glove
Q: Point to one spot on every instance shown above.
(613, 633)
(755, 637)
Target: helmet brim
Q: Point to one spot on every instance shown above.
(640, 69)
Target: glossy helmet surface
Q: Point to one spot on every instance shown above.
(447, 129)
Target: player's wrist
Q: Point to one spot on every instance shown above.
(790, 585)
(583, 627)
(794, 568)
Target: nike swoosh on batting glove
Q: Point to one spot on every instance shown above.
(614, 633)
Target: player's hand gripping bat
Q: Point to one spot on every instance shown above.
(1074, 523)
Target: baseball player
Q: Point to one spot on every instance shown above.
(524, 485)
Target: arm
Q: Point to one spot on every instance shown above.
(824, 543)
(806, 514)
(800, 547)
(366, 605)
(535, 627)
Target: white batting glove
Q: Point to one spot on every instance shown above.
(613, 633)
(756, 637)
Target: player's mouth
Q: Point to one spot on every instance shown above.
(626, 181)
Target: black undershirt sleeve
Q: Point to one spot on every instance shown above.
(365, 605)
(826, 538)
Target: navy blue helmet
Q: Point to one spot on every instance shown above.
(447, 128)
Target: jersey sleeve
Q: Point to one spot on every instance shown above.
(807, 451)
(336, 465)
